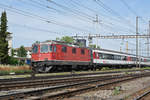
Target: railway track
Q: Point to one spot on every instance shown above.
(48, 82)
(62, 91)
(51, 82)
(65, 76)
(144, 96)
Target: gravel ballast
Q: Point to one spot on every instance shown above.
(126, 89)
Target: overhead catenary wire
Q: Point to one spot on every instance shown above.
(81, 18)
(109, 25)
(83, 14)
(46, 6)
(35, 5)
(32, 15)
(110, 10)
(36, 29)
(92, 10)
(133, 11)
(40, 4)
(96, 12)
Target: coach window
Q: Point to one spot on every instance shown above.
(74, 50)
(82, 51)
(108, 56)
(64, 49)
(50, 48)
(123, 58)
(44, 48)
(117, 57)
(133, 58)
(55, 48)
(100, 55)
(111, 57)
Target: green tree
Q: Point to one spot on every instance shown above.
(67, 39)
(37, 42)
(13, 52)
(21, 52)
(94, 46)
(3, 39)
(57, 39)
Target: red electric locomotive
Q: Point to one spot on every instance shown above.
(54, 55)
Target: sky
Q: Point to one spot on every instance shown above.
(40, 20)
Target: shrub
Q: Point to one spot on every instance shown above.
(117, 90)
(13, 61)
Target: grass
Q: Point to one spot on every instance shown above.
(9, 69)
(116, 90)
(146, 67)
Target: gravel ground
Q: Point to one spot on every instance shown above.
(126, 90)
(132, 87)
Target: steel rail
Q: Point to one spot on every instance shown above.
(143, 95)
(41, 91)
(66, 76)
(78, 91)
(49, 82)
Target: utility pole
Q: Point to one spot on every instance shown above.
(90, 39)
(127, 47)
(137, 41)
(120, 49)
(96, 21)
(148, 33)
(140, 50)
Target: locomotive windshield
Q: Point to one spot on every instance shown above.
(35, 49)
(44, 48)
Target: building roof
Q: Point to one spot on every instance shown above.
(26, 48)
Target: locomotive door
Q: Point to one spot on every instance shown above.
(54, 52)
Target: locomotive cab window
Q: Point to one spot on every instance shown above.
(74, 50)
(64, 49)
(82, 51)
(55, 48)
(50, 48)
(44, 48)
(35, 49)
